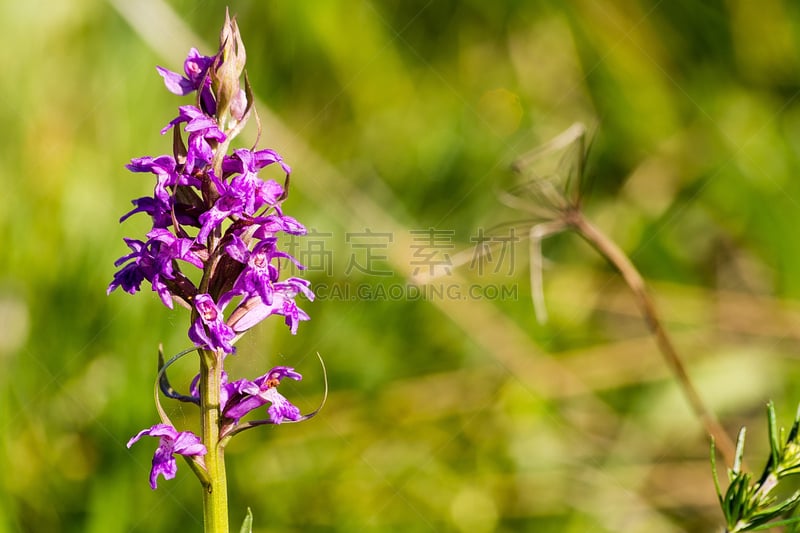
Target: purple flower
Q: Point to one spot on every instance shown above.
(202, 130)
(171, 442)
(244, 195)
(229, 204)
(260, 273)
(158, 211)
(267, 157)
(270, 225)
(164, 168)
(196, 68)
(245, 161)
(184, 249)
(244, 396)
(130, 276)
(151, 261)
(210, 330)
(253, 310)
(255, 192)
(237, 249)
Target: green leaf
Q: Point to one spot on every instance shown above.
(795, 426)
(779, 523)
(736, 499)
(737, 461)
(774, 443)
(714, 470)
(247, 525)
(778, 509)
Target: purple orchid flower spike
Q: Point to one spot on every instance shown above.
(171, 442)
(213, 245)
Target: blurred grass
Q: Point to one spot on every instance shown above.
(444, 415)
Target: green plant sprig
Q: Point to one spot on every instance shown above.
(753, 506)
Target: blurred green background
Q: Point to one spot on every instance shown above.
(445, 413)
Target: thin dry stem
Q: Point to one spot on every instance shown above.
(635, 281)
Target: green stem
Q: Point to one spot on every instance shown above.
(215, 494)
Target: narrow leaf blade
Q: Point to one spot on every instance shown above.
(247, 525)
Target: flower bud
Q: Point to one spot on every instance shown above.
(228, 71)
